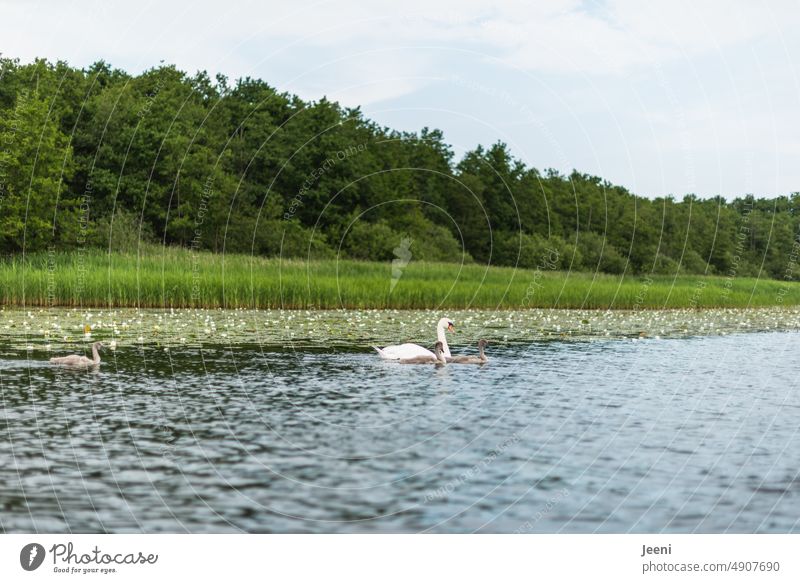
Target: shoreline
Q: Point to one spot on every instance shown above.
(296, 309)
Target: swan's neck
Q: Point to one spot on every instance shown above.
(95, 355)
(441, 337)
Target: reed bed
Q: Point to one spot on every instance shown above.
(164, 277)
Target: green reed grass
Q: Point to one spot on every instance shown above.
(174, 277)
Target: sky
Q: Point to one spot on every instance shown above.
(663, 97)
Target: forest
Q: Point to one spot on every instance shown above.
(99, 159)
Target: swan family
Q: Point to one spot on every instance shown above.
(409, 353)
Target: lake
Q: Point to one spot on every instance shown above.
(691, 433)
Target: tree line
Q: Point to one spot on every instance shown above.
(97, 157)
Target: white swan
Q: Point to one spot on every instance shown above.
(438, 360)
(408, 350)
(79, 359)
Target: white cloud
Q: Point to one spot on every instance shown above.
(352, 80)
(561, 36)
(618, 35)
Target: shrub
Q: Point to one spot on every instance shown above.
(692, 262)
(275, 237)
(122, 232)
(599, 254)
(372, 241)
(535, 251)
(666, 266)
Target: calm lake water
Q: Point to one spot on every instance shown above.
(659, 435)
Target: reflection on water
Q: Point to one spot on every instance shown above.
(680, 435)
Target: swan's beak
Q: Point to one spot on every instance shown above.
(451, 328)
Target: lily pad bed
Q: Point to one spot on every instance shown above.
(355, 330)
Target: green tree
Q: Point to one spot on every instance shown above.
(35, 159)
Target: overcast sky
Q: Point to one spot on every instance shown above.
(663, 96)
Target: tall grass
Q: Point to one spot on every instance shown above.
(174, 277)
